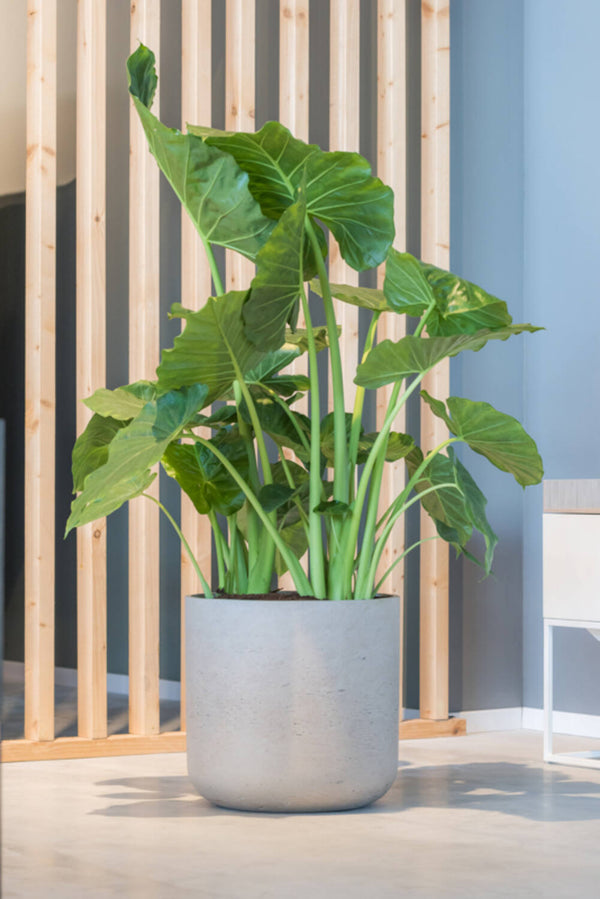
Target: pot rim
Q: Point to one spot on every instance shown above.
(259, 598)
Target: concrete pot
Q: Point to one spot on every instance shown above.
(292, 706)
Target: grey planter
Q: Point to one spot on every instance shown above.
(292, 706)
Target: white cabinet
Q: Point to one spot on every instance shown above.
(571, 583)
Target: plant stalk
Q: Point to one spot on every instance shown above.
(340, 471)
(207, 590)
(315, 539)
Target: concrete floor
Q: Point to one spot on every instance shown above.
(476, 816)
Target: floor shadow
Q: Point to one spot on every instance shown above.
(519, 790)
(12, 712)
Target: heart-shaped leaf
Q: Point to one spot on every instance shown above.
(393, 361)
(398, 446)
(462, 307)
(273, 496)
(495, 435)
(91, 447)
(204, 478)
(132, 452)
(276, 288)
(124, 403)
(212, 348)
(340, 190)
(209, 183)
(405, 287)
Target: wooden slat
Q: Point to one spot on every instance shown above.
(83, 748)
(143, 358)
(421, 729)
(391, 168)
(293, 106)
(435, 248)
(344, 134)
(196, 285)
(240, 45)
(293, 113)
(91, 355)
(40, 284)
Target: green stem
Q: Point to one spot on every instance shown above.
(399, 559)
(219, 541)
(375, 556)
(340, 472)
(214, 270)
(246, 435)
(238, 570)
(370, 524)
(207, 591)
(378, 447)
(315, 540)
(300, 580)
(260, 440)
(423, 319)
(359, 398)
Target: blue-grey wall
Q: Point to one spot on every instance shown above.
(562, 248)
(487, 247)
(526, 224)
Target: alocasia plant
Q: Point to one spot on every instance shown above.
(267, 195)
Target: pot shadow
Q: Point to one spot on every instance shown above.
(517, 790)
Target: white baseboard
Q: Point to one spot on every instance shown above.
(487, 720)
(482, 720)
(67, 677)
(517, 718)
(569, 723)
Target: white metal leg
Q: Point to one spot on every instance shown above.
(548, 687)
(578, 759)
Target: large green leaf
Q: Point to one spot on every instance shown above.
(208, 181)
(475, 503)
(393, 361)
(365, 297)
(327, 435)
(265, 378)
(398, 446)
(204, 478)
(276, 288)
(340, 190)
(462, 307)
(124, 403)
(455, 511)
(278, 425)
(211, 348)
(132, 452)
(495, 435)
(405, 286)
(458, 306)
(91, 447)
(445, 505)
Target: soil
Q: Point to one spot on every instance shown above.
(279, 595)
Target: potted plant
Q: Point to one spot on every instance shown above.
(293, 698)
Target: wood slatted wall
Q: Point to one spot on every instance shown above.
(196, 106)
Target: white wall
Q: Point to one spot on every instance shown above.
(13, 81)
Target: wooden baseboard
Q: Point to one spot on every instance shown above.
(174, 741)
(422, 728)
(83, 748)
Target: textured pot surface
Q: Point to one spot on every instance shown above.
(292, 706)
